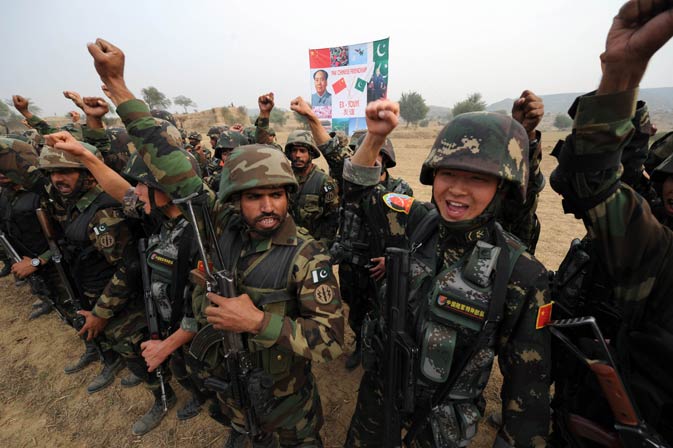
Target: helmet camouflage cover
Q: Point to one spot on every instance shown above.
(231, 140)
(250, 133)
(302, 138)
(663, 148)
(55, 159)
(254, 166)
(481, 142)
(194, 136)
(164, 115)
(18, 162)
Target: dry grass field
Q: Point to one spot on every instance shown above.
(42, 407)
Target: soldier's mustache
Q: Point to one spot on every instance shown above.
(267, 215)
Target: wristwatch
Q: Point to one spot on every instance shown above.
(35, 262)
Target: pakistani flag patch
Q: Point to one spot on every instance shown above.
(320, 275)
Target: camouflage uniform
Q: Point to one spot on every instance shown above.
(308, 325)
(446, 312)
(100, 250)
(227, 141)
(315, 204)
(632, 248)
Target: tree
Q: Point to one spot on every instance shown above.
(473, 103)
(412, 107)
(183, 101)
(563, 121)
(278, 117)
(155, 99)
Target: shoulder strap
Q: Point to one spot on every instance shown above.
(181, 269)
(314, 182)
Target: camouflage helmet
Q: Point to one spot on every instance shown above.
(302, 138)
(164, 115)
(250, 133)
(663, 147)
(481, 142)
(254, 166)
(136, 171)
(194, 136)
(55, 159)
(271, 131)
(215, 131)
(18, 161)
(231, 140)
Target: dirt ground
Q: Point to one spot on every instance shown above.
(40, 406)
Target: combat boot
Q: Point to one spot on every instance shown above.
(44, 308)
(153, 417)
(190, 409)
(6, 269)
(105, 377)
(90, 355)
(131, 380)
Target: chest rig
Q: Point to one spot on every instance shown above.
(265, 277)
(459, 313)
(165, 253)
(87, 265)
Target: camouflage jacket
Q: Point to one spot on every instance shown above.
(523, 351)
(397, 185)
(316, 333)
(315, 205)
(262, 133)
(109, 235)
(632, 247)
(335, 154)
(45, 128)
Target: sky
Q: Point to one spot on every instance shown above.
(223, 52)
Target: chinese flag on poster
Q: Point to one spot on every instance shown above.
(543, 315)
(319, 58)
(339, 85)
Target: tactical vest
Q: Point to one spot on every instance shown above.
(267, 282)
(87, 265)
(170, 255)
(21, 225)
(451, 318)
(306, 201)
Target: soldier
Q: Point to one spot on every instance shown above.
(465, 271)
(197, 150)
(225, 144)
(21, 104)
(99, 249)
(315, 204)
(632, 248)
(289, 318)
(171, 253)
(214, 134)
(18, 200)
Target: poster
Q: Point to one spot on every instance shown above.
(344, 79)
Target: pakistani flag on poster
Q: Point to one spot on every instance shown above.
(344, 79)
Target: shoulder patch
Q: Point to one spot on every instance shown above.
(320, 275)
(100, 229)
(324, 294)
(106, 241)
(330, 192)
(398, 202)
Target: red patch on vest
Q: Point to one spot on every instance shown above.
(398, 202)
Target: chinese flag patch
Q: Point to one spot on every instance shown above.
(543, 316)
(202, 268)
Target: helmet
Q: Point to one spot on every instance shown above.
(663, 147)
(194, 136)
(18, 160)
(302, 138)
(136, 170)
(164, 115)
(356, 138)
(53, 159)
(229, 140)
(254, 166)
(662, 171)
(251, 134)
(482, 142)
(215, 131)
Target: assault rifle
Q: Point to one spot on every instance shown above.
(245, 382)
(630, 429)
(401, 353)
(151, 310)
(77, 321)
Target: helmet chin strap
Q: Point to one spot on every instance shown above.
(153, 203)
